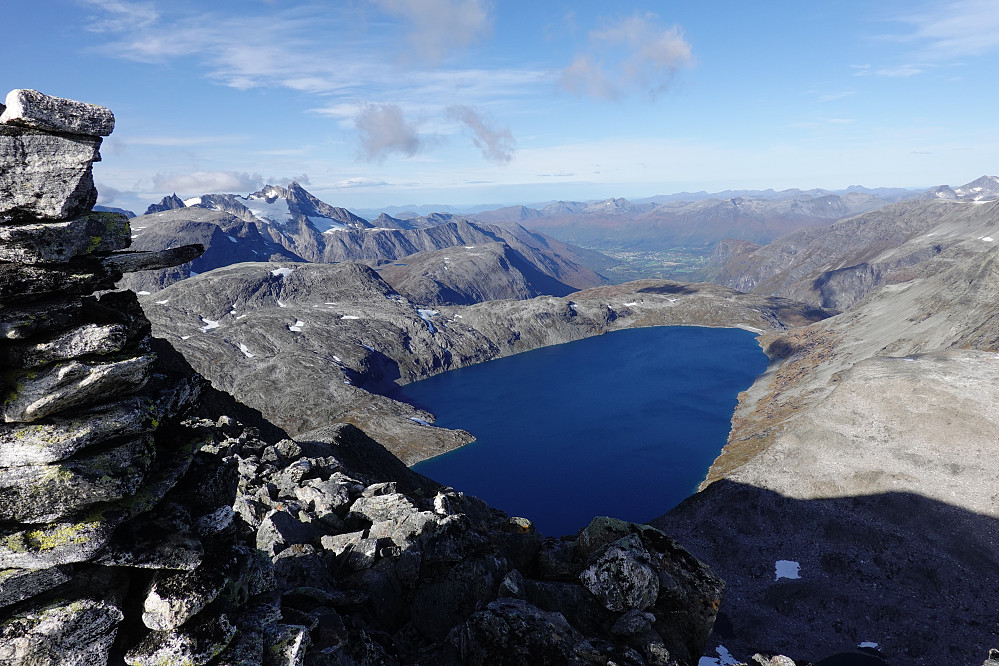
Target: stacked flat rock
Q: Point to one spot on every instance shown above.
(89, 432)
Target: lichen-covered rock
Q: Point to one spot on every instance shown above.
(52, 544)
(27, 319)
(86, 340)
(511, 632)
(31, 108)
(195, 644)
(46, 176)
(175, 597)
(37, 394)
(65, 633)
(59, 437)
(285, 645)
(623, 577)
(80, 277)
(58, 242)
(44, 493)
(20, 584)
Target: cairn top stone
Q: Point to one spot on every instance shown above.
(30, 108)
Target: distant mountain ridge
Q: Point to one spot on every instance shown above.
(278, 223)
(837, 266)
(668, 223)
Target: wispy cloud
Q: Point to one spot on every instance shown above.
(202, 182)
(385, 130)
(121, 15)
(832, 96)
(496, 144)
(955, 29)
(898, 71)
(360, 181)
(439, 27)
(627, 55)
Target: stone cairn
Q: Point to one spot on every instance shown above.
(134, 531)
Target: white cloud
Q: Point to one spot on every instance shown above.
(122, 15)
(360, 181)
(898, 71)
(384, 130)
(107, 195)
(630, 54)
(441, 26)
(497, 145)
(955, 29)
(208, 182)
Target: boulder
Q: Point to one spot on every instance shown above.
(52, 544)
(59, 437)
(89, 339)
(623, 577)
(64, 633)
(20, 584)
(512, 632)
(192, 645)
(30, 108)
(80, 277)
(45, 176)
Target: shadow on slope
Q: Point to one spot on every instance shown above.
(914, 575)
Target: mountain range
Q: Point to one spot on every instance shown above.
(289, 224)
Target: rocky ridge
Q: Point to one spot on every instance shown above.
(837, 266)
(865, 454)
(133, 531)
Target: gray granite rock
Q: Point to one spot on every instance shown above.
(45, 493)
(65, 633)
(58, 242)
(280, 529)
(20, 584)
(59, 437)
(30, 108)
(623, 577)
(22, 321)
(192, 645)
(35, 395)
(80, 277)
(128, 262)
(381, 507)
(46, 176)
(89, 339)
(175, 597)
(513, 632)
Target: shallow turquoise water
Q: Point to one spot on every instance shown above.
(624, 424)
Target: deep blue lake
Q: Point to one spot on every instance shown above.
(624, 424)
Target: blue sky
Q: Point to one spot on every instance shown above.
(375, 103)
